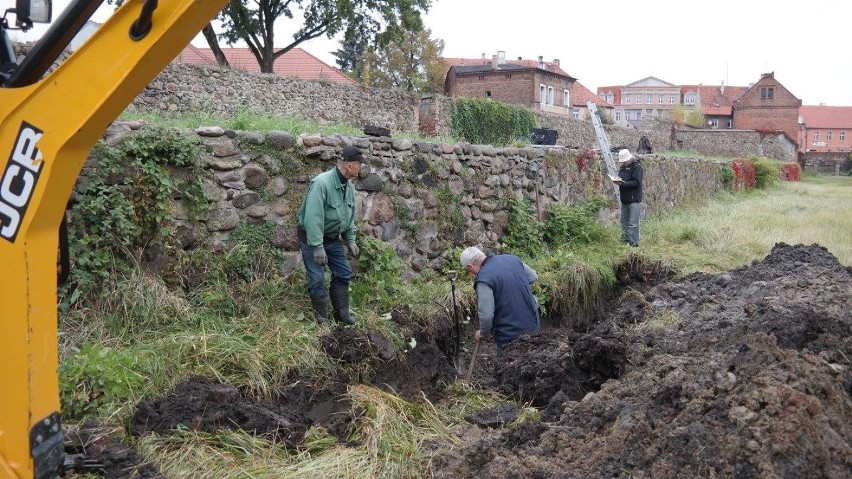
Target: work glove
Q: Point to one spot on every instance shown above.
(353, 248)
(319, 256)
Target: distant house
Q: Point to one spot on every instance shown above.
(825, 128)
(715, 102)
(768, 106)
(648, 97)
(296, 63)
(580, 99)
(538, 84)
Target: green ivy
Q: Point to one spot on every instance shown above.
(124, 200)
(727, 175)
(490, 122)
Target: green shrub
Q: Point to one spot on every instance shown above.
(574, 224)
(766, 172)
(525, 231)
(96, 378)
(490, 122)
(727, 175)
(378, 280)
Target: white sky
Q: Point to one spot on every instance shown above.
(616, 42)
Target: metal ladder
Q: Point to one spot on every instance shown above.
(604, 143)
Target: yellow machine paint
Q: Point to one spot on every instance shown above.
(46, 132)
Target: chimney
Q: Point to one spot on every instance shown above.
(483, 55)
(493, 62)
(541, 62)
(520, 58)
(556, 61)
(501, 57)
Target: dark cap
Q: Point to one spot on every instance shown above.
(350, 153)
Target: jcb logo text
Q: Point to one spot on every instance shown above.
(19, 180)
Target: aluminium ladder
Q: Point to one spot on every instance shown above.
(604, 144)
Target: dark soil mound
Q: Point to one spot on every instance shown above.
(91, 449)
(203, 405)
(741, 374)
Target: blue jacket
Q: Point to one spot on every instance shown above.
(515, 307)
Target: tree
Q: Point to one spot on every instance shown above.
(412, 63)
(253, 21)
(351, 49)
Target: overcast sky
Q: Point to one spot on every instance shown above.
(616, 42)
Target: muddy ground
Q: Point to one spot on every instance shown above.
(740, 374)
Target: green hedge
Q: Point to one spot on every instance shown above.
(490, 122)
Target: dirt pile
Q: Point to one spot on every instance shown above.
(741, 374)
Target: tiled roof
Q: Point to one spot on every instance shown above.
(615, 90)
(484, 64)
(713, 100)
(826, 116)
(296, 63)
(583, 95)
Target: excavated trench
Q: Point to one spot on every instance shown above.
(740, 374)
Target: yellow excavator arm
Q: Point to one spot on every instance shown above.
(48, 125)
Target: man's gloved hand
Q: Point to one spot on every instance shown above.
(319, 255)
(353, 248)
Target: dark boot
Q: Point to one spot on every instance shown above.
(340, 304)
(320, 305)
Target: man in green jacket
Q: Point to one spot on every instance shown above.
(326, 216)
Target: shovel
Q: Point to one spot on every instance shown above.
(472, 362)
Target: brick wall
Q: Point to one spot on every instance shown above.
(756, 111)
(520, 89)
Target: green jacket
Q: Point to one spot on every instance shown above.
(328, 210)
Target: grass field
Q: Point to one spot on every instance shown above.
(731, 230)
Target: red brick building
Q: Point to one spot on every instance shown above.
(538, 84)
(768, 106)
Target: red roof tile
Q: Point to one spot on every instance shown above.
(715, 101)
(583, 95)
(296, 63)
(826, 116)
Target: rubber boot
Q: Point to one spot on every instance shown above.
(320, 305)
(340, 304)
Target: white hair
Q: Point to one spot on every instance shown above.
(471, 255)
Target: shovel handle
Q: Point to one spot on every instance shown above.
(472, 362)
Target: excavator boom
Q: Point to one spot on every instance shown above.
(48, 125)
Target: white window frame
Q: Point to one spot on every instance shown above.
(566, 98)
(576, 113)
(842, 136)
(671, 99)
(816, 137)
(713, 122)
(542, 94)
(650, 99)
(828, 136)
(618, 117)
(660, 100)
(627, 99)
(550, 95)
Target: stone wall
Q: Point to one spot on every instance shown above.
(421, 198)
(834, 163)
(225, 92)
(736, 143)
